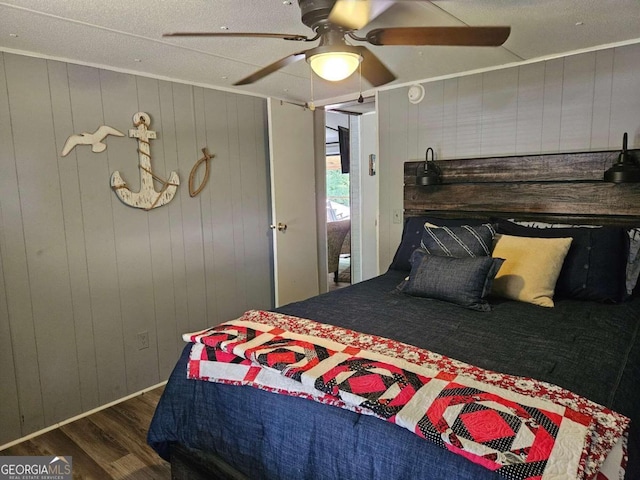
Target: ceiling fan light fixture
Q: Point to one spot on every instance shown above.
(335, 66)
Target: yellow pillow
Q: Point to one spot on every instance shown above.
(531, 267)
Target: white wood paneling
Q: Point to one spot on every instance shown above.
(449, 119)
(530, 106)
(576, 103)
(253, 148)
(431, 118)
(625, 99)
(133, 252)
(81, 273)
(413, 130)
(168, 260)
(552, 105)
(396, 151)
(9, 392)
(218, 206)
(187, 153)
(75, 237)
(100, 244)
(499, 112)
(601, 113)
(163, 340)
(18, 321)
(211, 132)
(469, 115)
(44, 236)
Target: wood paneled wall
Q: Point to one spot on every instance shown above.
(81, 274)
(577, 103)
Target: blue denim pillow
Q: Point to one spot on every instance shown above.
(463, 281)
(462, 241)
(412, 235)
(595, 266)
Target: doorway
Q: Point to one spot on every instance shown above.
(361, 120)
(338, 199)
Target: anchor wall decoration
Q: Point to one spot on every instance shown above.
(147, 198)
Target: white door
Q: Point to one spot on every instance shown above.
(293, 200)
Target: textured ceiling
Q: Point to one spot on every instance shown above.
(126, 35)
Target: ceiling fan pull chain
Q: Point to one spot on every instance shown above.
(360, 99)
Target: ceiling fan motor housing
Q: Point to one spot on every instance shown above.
(315, 12)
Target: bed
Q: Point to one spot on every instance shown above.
(588, 343)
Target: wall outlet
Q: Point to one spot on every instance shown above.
(397, 216)
(143, 340)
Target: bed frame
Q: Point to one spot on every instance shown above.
(566, 188)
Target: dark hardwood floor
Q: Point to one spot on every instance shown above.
(109, 444)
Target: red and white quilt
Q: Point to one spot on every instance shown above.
(520, 427)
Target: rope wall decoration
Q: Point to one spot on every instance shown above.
(147, 198)
(205, 159)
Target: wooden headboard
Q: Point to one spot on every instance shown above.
(565, 188)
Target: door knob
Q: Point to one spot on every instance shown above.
(281, 226)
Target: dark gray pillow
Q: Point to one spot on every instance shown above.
(463, 281)
(463, 241)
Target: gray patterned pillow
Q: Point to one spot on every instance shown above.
(459, 242)
(463, 281)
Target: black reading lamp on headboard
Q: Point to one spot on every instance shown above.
(428, 173)
(626, 169)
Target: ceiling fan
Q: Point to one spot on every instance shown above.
(334, 20)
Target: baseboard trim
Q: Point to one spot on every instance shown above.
(82, 415)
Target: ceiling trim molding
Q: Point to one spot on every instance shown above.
(129, 71)
(516, 63)
(330, 101)
(347, 98)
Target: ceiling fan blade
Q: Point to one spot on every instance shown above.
(285, 36)
(457, 36)
(355, 14)
(269, 69)
(373, 69)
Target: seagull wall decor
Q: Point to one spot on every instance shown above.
(94, 139)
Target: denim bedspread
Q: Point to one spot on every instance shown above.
(591, 349)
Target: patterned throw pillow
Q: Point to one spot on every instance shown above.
(412, 234)
(459, 242)
(463, 281)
